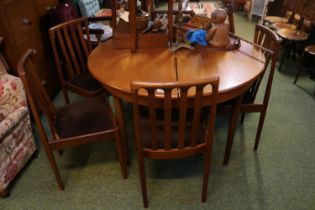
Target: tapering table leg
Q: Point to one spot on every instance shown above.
(233, 121)
(120, 117)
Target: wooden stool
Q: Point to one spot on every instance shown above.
(275, 19)
(309, 50)
(281, 25)
(290, 36)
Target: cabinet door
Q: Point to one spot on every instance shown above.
(22, 19)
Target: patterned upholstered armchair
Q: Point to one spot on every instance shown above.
(16, 139)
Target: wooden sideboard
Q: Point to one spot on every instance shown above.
(23, 25)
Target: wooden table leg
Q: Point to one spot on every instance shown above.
(285, 51)
(233, 121)
(120, 117)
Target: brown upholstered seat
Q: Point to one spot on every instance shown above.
(92, 118)
(87, 82)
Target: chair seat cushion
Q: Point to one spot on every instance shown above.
(84, 117)
(86, 82)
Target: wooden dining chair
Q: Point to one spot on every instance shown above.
(71, 47)
(269, 43)
(167, 128)
(72, 125)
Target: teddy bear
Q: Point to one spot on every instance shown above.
(218, 34)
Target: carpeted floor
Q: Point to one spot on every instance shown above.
(280, 175)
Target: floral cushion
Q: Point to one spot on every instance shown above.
(12, 95)
(16, 147)
(16, 139)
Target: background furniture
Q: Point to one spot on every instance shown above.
(71, 44)
(309, 51)
(23, 25)
(17, 143)
(173, 128)
(79, 123)
(290, 38)
(89, 8)
(66, 11)
(258, 8)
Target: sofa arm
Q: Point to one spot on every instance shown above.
(12, 95)
(11, 121)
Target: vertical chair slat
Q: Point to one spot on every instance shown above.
(261, 36)
(182, 119)
(196, 115)
(68, 43)
(78, 48)
(167, 118)
(65, 54)
(152, 118)
(86, 49)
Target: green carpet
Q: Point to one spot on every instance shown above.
(280, 175)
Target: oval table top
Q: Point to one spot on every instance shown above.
(116, 68)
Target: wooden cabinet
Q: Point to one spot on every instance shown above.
(23, 25)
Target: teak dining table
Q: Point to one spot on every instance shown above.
(116, 68)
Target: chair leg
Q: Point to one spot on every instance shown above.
(4, 193)
(233, 121)
(285, 49)
(259, 129)
(242, 117)
(66, 95)
(35, 154)
(206, 173)
(299, 71)
(297, 75)
(54, 167)
(121, 155)
(143, 181)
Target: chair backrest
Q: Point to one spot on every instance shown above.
(37, 96)
(71, 44)
(88, 8)
(173, 115)
(268, 39)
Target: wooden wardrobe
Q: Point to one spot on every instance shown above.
(24, 24)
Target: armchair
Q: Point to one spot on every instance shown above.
(16, 139)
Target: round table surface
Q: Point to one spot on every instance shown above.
(116, 68)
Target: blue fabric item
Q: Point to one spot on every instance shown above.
(197, 36)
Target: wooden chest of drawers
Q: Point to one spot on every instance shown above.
(23, 25)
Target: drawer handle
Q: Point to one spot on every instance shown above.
(26, 21)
